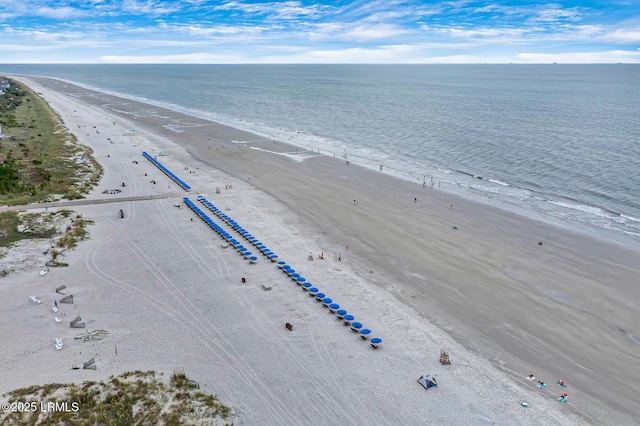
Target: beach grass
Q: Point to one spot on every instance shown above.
(42, 161)
(63, 229)
(137, 397)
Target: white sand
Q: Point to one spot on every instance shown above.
(171, 296)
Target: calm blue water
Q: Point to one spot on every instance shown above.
(554, 142)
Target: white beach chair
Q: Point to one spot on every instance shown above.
(54, 309)
(35, 300)
(58, 319)
(58, 341)
(58, 346)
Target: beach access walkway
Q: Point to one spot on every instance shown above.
(84, 202)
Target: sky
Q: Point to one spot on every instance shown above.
(323, 31)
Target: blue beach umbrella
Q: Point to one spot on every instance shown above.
(300, 280)
(334, 307)
(273, 257)
(281, 264)
(313, 291)
(375, 342)
(327, 301)
(285, 267)
(294, 276)
(306, 286)
(364, 333)
(341, 313)
(355, 326)
(347, 319)
(253, 259)
(247, 253)
(320, 296)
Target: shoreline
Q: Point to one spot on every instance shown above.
(540, 213)
(481, 282)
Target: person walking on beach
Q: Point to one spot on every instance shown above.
(339, 257)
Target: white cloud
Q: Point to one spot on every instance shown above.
(610, 56)
(283, 10)
(191, 58)
(623, 35)
(372, 32)
(554, 13)
(484, 32)
(60, 12)
(149, 7)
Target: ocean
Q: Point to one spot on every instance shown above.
(559, 143)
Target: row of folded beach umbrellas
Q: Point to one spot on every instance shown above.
(220, 230)
(314, 292)
(166, 171)
(327, 302)
(236, 227)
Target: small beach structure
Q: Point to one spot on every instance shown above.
(444, 357)
(90, 365)
(428, 381)
(77, 323)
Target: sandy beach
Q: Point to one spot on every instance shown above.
(423, 269)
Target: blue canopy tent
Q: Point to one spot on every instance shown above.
(300, 280)
(320, 296)
(306, 286)
(281, 264)
(294, 276)
(313, 291)
(334, 307)
(428, 381)
(253, 259)
(375, 342)
(327, 301)
(364, 333)
(341, 313)
(356, 326)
